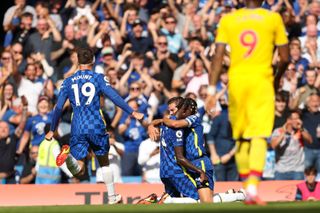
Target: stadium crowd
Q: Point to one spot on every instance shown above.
(150, 51)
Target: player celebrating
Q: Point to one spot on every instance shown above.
(191, 153)
(88, 128)
(251, 33)
(184, 168)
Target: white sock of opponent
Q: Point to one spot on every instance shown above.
(107, 175)
(73, 165)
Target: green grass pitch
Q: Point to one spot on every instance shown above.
(292, 207)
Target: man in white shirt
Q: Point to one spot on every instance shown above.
(149, 159)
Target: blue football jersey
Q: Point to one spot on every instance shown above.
(169, 138)
(83, 89)
(194, 143)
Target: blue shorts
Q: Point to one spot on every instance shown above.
(79, 145)
(187, 185)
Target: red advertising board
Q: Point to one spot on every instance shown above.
(78, 194)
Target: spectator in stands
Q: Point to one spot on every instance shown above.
(8, 144)
(165, 62)
(108, 35)
(222, 146)
(28, 86)
(107, 60)
(281, 111)
(21, 32)
(140, 43)
(288, 142)
(310, 189)
(313, 53)
(47, 172)
(311, 120)
(12, 114)
(29, 172)
(149, 160)
(304, 91)
(42, 40)
(296, 57)
(43, 11)
(195, 73)
(13, 13)
(34, 131)
(311, 34)
(290, 79)
(130, 15)
(176, 43)
(7, 95)
(7, 66)
(133, 133)
(80, 8)
(17, 53)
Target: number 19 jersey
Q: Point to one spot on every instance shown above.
(83, 89)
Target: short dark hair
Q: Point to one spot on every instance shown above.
(27, 15)
(177, 100)
(310, 170)
(85, 56)
(296, 111)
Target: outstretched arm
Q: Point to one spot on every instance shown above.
(116, 98)
(62, 98)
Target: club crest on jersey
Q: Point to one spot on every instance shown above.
(179, 134)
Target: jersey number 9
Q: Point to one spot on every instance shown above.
(87, 89)
(248, 39)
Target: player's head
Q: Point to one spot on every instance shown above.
(174, 105)
(188, 107)
(85, 56)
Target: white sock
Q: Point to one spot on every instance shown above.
(180, 200)
(107, 176)
(73, 165)
(227, 198)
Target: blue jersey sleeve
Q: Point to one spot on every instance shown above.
(63, 95)
(193, 120)
(113, 95)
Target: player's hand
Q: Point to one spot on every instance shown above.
(153, 132)
(203, 177)
(137, 115)
(49, 135)
(210, 105)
